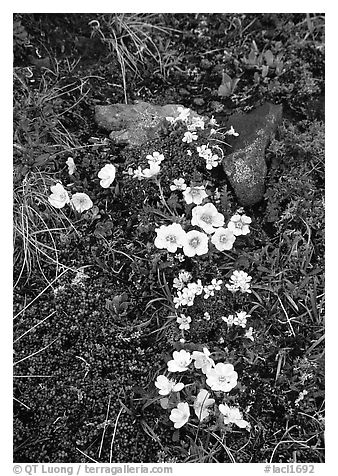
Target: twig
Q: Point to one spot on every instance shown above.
(34, 326)
(28, 408)
(40, 294)
(113, 438)
(35, 353)
(84, 454)
(105, 426)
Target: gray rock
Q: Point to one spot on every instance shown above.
(245, 163)
(135, 124)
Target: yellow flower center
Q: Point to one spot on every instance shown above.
(194, 242)
(171, 238)
(207, 218)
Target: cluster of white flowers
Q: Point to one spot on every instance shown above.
(300, 397)
(211, 159)
(220, 377)
(60, 197)
(240, 319)
(79, 201)
(209, 220)
(192, 122)
(239, 281)
(187, 290)
(154, 168)
(79, 278)
(183, 277)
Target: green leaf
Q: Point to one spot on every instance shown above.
(164, 402)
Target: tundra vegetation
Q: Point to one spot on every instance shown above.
(156, 317)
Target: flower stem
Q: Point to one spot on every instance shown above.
(163, 199)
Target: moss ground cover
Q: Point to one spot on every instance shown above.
(155, 319)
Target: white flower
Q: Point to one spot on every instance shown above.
(189, 152)
(179, 300)
(107, 175)
(180, 415)
(195, 194)
(231, 132)
(170, 119)
(249, 334)
(167, 386)
(300, 397)
(233, 415)
(81, 202)
(170, 237)
(207, 217)
(178, 284)
(206, 316)
(215, 285)
(196, 243)
(204, 151)
(241, 319)
(59, 196)
(196, 288)
(217, 195)
(239, 281)
(184, 276)
(154, 169)
(213, 122)
(212, 161)
(71, 165)
(202, 403)
(197, 122)
(208, 292)
(156, 158)
(129, 172)
(181, 361)
(189, 137)
(138, 173)
(179, 184)
(230, 320)
(222, 377)
(223, 239)
(188, 296)
(184, 322)
(238, 224)
(202, 360)
(183, 113)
